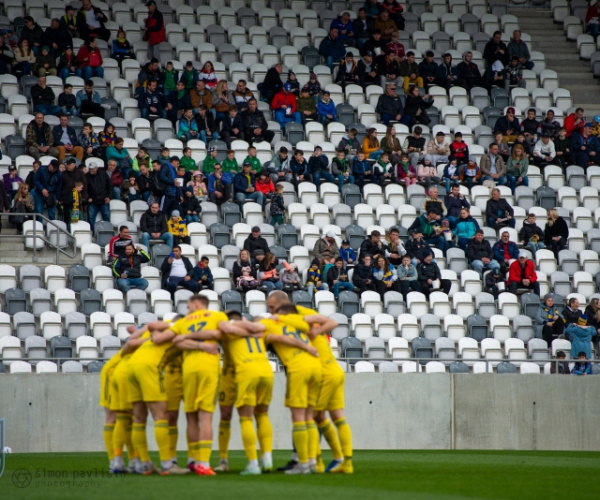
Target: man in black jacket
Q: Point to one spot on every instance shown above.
(57, 37)
(255, 124)
(128, 269)
(177, 271)
(154, 226)
(417, 247)
(145, 180)
(256, 242)
(372, 245)
(362, 278)
(498, 211)
(430, 274)
(389, 105)
(99, 194)
(42, 97)
(480, 254)
(272, 82)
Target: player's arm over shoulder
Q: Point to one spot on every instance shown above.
(292, 342)
(185, 343)
(320, 324)
(241, 328)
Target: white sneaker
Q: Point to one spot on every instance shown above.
(299, 469)
(106, 106)
(251, 470)
(267, 464)
(223, 466)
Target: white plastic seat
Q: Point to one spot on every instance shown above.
(371, 303)
(398, 348)
(120, 323)
(255, 302)
(468, 350)
(491, 351)
(417, 304)
(86, 349)
(408, 326)
(161, 302)
(113, 302)
(64, 301)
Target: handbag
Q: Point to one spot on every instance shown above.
(50, 201)
(17, 220)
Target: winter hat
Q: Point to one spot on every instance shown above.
(315, 261)
(582, 320)
(287, 87)
(175, 213)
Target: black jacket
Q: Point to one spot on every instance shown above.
(528, 230)
(368, 248)
(454, 205)
(362, 273)
(68, 183)
(98, 187)
(59, 36)
(571, 316)
(416, 248)
(252, 244)
(253, 120)
(153, 223)
(237, 269)
(42, 96)
(192, 204)
(391, 105)
(333, 273)
(476, 250)
(559, 228)
(429, 271)
(498, 208)
(271, 84)
(165, 270)
(133, 266)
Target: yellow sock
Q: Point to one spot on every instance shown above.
(131, 451)
(331, 436)
(313, 439)
(161, 434)
(345, 434)
(140, 443)
(194, 450)
(107, 434)
(173, 435)
(300, 437)
(120, 434)
(205, 451)
(264, 432)
(224, 434)
(248, 437)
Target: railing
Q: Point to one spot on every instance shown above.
(35, 233)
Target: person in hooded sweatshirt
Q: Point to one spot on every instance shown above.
(430, 276)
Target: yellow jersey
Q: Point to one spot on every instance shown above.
(305, 311)
(294, 358)
(153, 354)
(195, 322)
(105, 375)
(228, 367)
(249, 356)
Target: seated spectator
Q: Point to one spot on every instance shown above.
(232, 126)
(391, 145)
(459, 149)
(395, 47)
(190, 205)
(66, 140)
(439, 149)
(521, 274)
(521, 141)
(368, 70)
(242, 95)
(383, 171)
(314, 278)
(530, 126)
(583, 145)
(385, 276)
(230, 164)
(494, 283)
(509, 126)
(130, 189)
(407, 277)
(363, 27)
(347, 254)
(550, 317)
(306, 106)
(203, 275)
(122, 49)
(513, 74)
(141, 157)
(255, 124)
(415, 109)
(452, 173)
(430, 276)
(469, 72)
(416, 246)
(493, 167)
(25, 60)
(543, 152)
(265, 185)
(455, 202)
(370, 146)
(326, 248)
(268, 277)
(395, 247)
(117, 244)
(337, 278)
(154, 226)
(318, 164)
(386, 25)
(177, 227)
(170, 80)
(208, 75)
(299, 168)
(496, 50)
(279, 167)
(116, 177)
(531, 235)
(427, 173)
(406, 172)
(571, 312)
(284, 107)
(372, 245)
(428, 69)
(575, 122)
(11, 181)
(429, 226)
(550, 125)
(503, 149)
(560, 366)
(39, 138)
(433, 203)
(348, 71)
(408, 72)
(43, 98)
(244, 274)
(189, 76)
(562, 145)
(345, 29)
(200, 95)
(470, 174)
(362, 278)
(516, 168)
(90, 103)
(556, 232)
(67, 101)
(90, 60)
(375, 44)
(362, 171)
(498, 212)
(465, 228)
(592, 311)
(389, 105)
(45, 62)
(7, 56)
(222, 100)
(447, 75)
(505, 251)
(176, 271)
(332, 48)
(108, 136)
(272, 82)
(581, 367)
(120, 155)
(518, 48)
(480, 254)
(326, 109)
(243, 187)
(350, 144)
(152, 101)
(219, 186)
(128, 269)
(341, 168)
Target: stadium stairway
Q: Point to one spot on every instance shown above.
(14, 253)
(561, 56)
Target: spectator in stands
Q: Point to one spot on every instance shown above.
(243, 187)
(345, 29)
(584, 145)
(189, 75)
(108, 136)
(146, 179)
(518, 48)
(391, 145)
(326, 248)
(172, 194)
(24, 58)
(67, 101)
(94, 22)
(90, 60)
(438, 148)
(430, 276)
(492, 166)
(284, 107)
(230, 164)
(386, 25)
(575, 122)
(256, 242)
(232, 126)
(374, 46)
(521, 274)
(337, 278)
(272, 82)
(33, 34)
(11, 181)
(509, 125)
(480, 254)
(203, 275)
(530, 126)
(195, 192)
(468, 72)
(22, 202)
(427, 173)
(389, 105)
(531, 235)
(505, 251)
(188, 127)
(48, 187)
(154, 226)
(544, 152)
(447, 74)
(498, 212)
(371, 146)
(362, 171)
(550, 317)
(549, 125)
(318, 165)
(416, 246)
(389, 69)
(452, 173)
(100, 192)
(326, 109)
(556, 232)
(415, 109)
(341, 168)
(434, 203)
(372, 245)
(152, 101)
(7, 56)
(66, 140)
(414, 145)
(373, 9)
(395, 247)
(207, 73)
(31, 175)
(179, 101)
(90, 103)
(494, 283)
(429, 226)
(255, 124)
(265, 185)
(244, 273)
(45, 62)
(39, 139)
(571, 312)
(580, 335)
(363, 27)
(385, 276)
(254, 161)
(350, 144)
(242, 95)
(72, 21)
(496, 50)
(581, 367)
(428, 69)
(455, 202)
(362, 278)
(169, 79)
(43, 98)
(503, 149)
(560, 366)
(408, 72)
(207, 128)
(219, 186)
(306, 106)
(516, 168)
(513, 72)
(332, 48)
(396, 48)
(268, 276)
(222, 99)
(116, 247)
(128, 269)
(407, 277)
(70, 176)
(57, 38)
(120, 155)
(591, 20)
(121, 48)
(521, 141)
(465, 228)
(313, 86)
(154, 29)
(176, 271)
(177, 227)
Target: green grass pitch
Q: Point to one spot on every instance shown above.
(378, 475)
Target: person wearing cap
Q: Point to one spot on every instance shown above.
(326, 248)
(255, 242)
(517, 47)
(154, 29)
(66, 140)
(11, 181)
(39, 139)
(505, 251)
(48, 187)
(43, 97)
(447, 74)
(178, 228)
(46, 62)
(430, 276)
(480, 255)
(408, 72)
(521, 274)
(348, 71)
(72, 21)
(284, 107)
(99, 192)
(550, 319)
(389, 105)
(167, 175)
(332, 48)
(243, 187)
(154, 226)
(509, 125)
(584, 146)
(347, 254)
(94, 19)
(363, 27)
(255, 124)
(57, 37)
(263, 184)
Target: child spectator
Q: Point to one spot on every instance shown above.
(67, 65)
(141, 157)
(341, 168)
(362, 170)
(459, 149)
(108, 136)
(208, 165)
(67, 101)
(190, 205)
(253, 160)
(74, 205)
(122, 49)
(230, 164)
(350, 144)
(290, 278)
(582, 366)
(46, 62)
(279, 167)
(187, 161)
(427, 173)
(326, 109)
(199, 186)
(560, 366)
(314, 280)
(384, 171)
(306, 106)
(170, 78)
(313, 86)
(451, 173)
(88, 140)
(470, 174)
(246, 281)
(176, 226)
(495, 282)
(264, 185)
(203, 275)
(232, 125)
(580, 335)
(277, 206)
(206, 125)
(347, 254)
(406, 172)
(562, 145)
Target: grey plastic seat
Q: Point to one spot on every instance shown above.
(75, 325)
(342, 330)
(477, 327)
(287, 236)
(15, 145)
(103, 231)
(30, 277)
(209, 214)
(355, 236)
(546, 197)
(60, 347)
(530, 303)
(523, 327)
(431, 327)
(79, 278)
(24, 325)
(445, 350)
(310, 57)
(145, 318)
(346, 114)
(137, 302)
(159, 253)
(505, 367)
(351, 195)
(231, 300)
(375, 348)
(349, 303)
(422, 350)
(216, 35)
(229, 254)
(40, 301)
(71, 366)
(351, 348)
(457, 260)
(95, 366)
(91, 301)
(15, 300)
(342, 215)
(220, 235)
(35, 348)
(485, 305)
(561, 283)
(569, 263)
(394, 303)
(231, 213)
(302, 298)
(458, 367)
(294, 133)
(109, 346)
(278, 251)
(388, 367)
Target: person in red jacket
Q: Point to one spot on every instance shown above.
(284, 106)
(592, 17)
(154, 31)
(575, 122)
(117, 244)
(264, 184)
(90, 60)
(521, 274)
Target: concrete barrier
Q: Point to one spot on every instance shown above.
(60, 413)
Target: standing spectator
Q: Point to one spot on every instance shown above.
(66, 140)
(556, 232)
(24, 58)
(505, 251)
(90, 60)
(189, 75)
(70, 177)
(90, 103)
(152, 101)
(531, 235)
(332, 48)
(521, 274)
(169, 79)
(493, 167)
(22, 202)
(117, 244)
(415, 109)
(430, 276)
(94, 19)
(48, 187)
(592, 17)
(203, 275)
(176, 271)
(362, 278)
(518, 48)
(277, 208)
(39, 139)
(128, 269)
(583, 145)
(318, 164)
(389, 105)
(516, 168)
(480, 254)
(575, 122)
(243, 187)
(121, 48)
(326, 248)
(550, 317)
(580, 336)
(496, 50)
(498, 212)
(43, 98)
(172, 195)
(154, 29)
(99, 189)
(284, 107)
(31, 175)
(255, 124)
(45, 62)
(154, 226)
(465, 227)
(272, 83)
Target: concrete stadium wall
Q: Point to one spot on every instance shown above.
(60, 413)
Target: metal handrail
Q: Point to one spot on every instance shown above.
(71, 240)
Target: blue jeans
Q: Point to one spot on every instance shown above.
(344, 285)
(173, 282)
(278, 285)
(93, 210)
(479, 266)
(500, 181)
(67, 111)
(329, 62)
(376, 154)
(47, 109)
(241, 197)
(282, 118)
(325, 175)
(491, 222)
(166, 237)
(438, 242)
(202, 133)
(126, 284)
(341, 179)
(452, 220)
(39, 206)
(310, 287)
(513, 182)
(386, 118)
(159, 111)
(65, 73)
(24, 67)
(186, 136)
(535, 246)
(88, 72)
(324, 120)
(191, 218)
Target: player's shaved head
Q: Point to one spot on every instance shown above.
(287, 309)
(276, 298)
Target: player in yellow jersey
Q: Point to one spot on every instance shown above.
(146, 390)
(226, 401)
(195, 335)
(174, 386)
(110, 417)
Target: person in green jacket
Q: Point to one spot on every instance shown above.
(208, 166)
(187, 161)
(142, 157)
(253, 160)
(230, 164)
